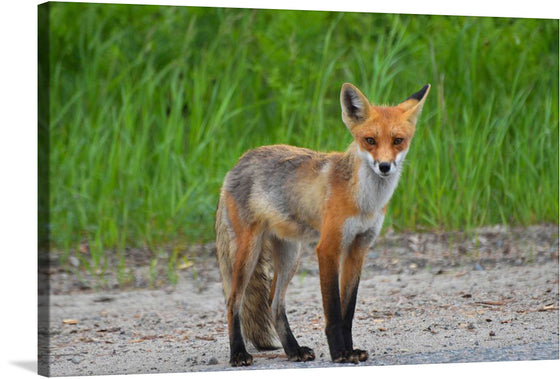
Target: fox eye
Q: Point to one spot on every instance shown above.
(370, 140)
(398, 141)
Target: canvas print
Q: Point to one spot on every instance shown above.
(247, 189)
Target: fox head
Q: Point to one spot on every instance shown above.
(382, 134)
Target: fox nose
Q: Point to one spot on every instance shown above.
(384, 167)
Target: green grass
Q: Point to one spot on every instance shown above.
(150, 106)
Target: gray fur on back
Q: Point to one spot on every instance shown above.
(266, 170)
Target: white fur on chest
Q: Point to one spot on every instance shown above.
(373, 192)
(356, 225)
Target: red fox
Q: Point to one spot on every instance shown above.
(279, 196)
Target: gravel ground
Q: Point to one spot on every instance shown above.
(424, 298)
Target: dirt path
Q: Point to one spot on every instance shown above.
(423, 299)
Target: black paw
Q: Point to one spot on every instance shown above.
(355, 356)
(303, 354)
(362, 355)
(241, 358)
(341, 357)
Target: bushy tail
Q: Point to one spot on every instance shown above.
(256, 317)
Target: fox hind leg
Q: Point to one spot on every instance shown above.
(249, 242)
(286, 258)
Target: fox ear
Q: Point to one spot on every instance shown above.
(413, 105)
(355, 106)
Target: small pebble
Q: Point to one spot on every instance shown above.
(212, 361)
(74, 261)
(76, 360)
